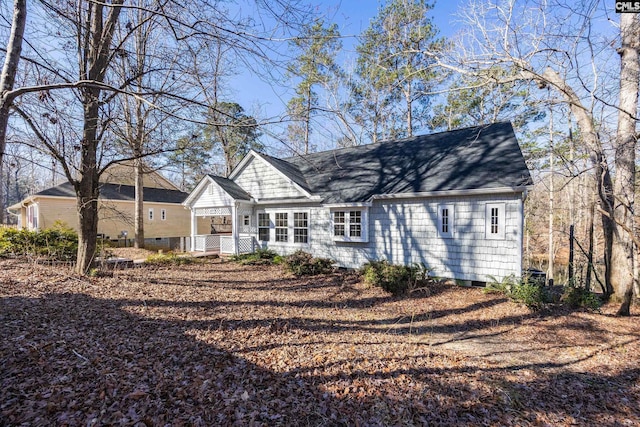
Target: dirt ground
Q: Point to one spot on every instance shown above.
(215, 343)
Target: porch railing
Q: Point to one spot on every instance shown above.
(207, 242)
(245, 245)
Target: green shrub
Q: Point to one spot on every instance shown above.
(302, 263)
(577, 297)
(504, 286)
(259, 257)
(170, 259)
(395, 279)
(58, 243)
(532, 295)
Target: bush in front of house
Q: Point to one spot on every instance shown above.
(169, 259)
(259, 257)
(531, 294)
(58, 243)
(302, 263)
(578, 297)
(393, 278)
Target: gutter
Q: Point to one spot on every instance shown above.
(449, 193)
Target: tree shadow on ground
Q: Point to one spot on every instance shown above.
(73, 359)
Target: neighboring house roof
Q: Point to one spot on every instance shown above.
(124, 174)
(476, 158)
(119, 192)
(233, 189)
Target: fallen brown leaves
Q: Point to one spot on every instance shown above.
(219, 344)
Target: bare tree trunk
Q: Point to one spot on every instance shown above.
(138, 168)
(7, 80)
(603, 176)
(307, 121)
(407, 96)
(550, 269)
(587, 280)
(622, 250)
(87, 189)
(93, 66)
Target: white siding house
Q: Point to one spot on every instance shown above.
(452, 201)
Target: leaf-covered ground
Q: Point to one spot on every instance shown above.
(220, 344)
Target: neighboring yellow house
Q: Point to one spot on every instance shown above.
(166, 221)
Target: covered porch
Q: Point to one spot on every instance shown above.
(241, 238)
(221, 218)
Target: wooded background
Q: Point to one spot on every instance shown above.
(87, 84)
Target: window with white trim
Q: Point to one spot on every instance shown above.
(246, 220)
(355, 224)
(264, 225)
(339, 224)
(300, 227)
(349, 225)
(445, 220)
(150, 214)
(282, 227)
(495, 221)
(163, 214)
(32, 217)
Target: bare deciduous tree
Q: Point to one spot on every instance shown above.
(552, 45)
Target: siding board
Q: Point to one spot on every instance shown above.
(404, 232)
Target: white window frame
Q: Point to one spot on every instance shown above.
(270, 225)
(163, 214)
(150, 214)
(306, 219)
(32, 216)
(447, 220)
(291, 228)
(276, 227)
(348, 237)
(495, 231)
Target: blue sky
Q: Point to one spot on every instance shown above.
(352, 17)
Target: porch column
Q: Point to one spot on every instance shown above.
(194, 229)
(234, 227)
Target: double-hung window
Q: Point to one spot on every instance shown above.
(355, 224)
(339, 224)
(349, 225)
(264, 224)
(445, 220)
(300, 227)
(282, 227)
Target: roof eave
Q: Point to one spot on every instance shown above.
(192, 195)
(449, 193)
(313, 199)
(206, 180)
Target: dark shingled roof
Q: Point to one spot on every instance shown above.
(233, 189)
(481, 157)
(119, 192)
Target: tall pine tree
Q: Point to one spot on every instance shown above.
(395, 68)
(315, 66)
